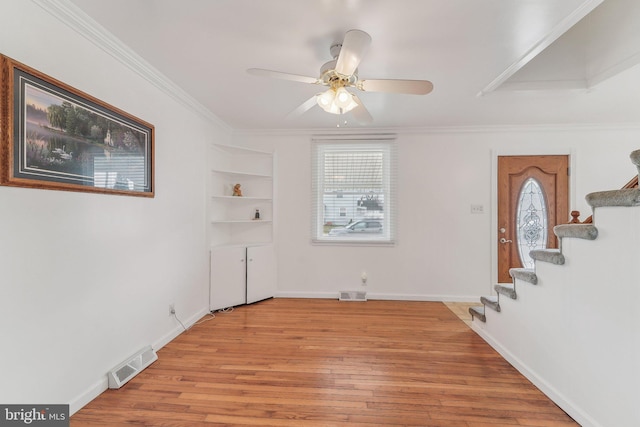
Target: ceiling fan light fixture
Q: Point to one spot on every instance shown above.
(336, 101)
(341, 73)
(325, 99)
(343, 98)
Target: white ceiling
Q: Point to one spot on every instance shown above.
(465, 47)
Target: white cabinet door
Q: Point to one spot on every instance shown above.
(228, 277)
(261, 273)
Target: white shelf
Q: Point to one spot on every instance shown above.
(240, 221)
(240, 151)
(231, 217)
(242, 174)
(243, 198)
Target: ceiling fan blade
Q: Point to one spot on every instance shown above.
(411, 87)
(284, 76)
(303, 108)
(355, 45)
(360, 113)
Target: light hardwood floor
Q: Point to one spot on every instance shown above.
(308, 362)
(461, 309)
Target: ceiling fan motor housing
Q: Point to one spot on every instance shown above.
(330, 77)
(328, 74)
(334, 50)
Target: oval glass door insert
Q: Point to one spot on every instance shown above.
(531, 221)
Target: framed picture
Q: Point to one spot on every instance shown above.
(53, 136)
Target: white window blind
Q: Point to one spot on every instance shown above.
(353, 185)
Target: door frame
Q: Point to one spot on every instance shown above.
(516, 151)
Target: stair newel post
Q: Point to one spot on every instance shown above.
(575, 217)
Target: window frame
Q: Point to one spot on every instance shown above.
(322, 146)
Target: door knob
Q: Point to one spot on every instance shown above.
(503, 240)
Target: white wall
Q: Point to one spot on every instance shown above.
(576, 334)
(443, 252)
(86, 280)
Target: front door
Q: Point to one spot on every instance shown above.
(533, 193)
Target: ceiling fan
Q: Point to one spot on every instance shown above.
(341, 73)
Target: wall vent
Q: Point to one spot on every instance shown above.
(353, 296)
(131, 367)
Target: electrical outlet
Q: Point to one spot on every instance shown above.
(172, 309)
(363, 277)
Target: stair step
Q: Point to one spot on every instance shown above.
(624, 197)
(525, 274)
(635, 159)
(578, 231)
(554, 256)
(492, 302)
(507, 290)
(477, 311)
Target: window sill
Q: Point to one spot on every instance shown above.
(352, 242)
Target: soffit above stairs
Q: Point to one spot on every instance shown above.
(601, 45)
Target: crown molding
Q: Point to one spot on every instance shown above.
(76, 19)
(561, 127)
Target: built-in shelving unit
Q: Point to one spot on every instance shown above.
(232, 218)
(242, 257)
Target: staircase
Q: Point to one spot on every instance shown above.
(571, 325)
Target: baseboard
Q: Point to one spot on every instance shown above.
(579, 415)
(88, 395)
(102, 384)
(177, 330)
(381, 296)
(418, 297)
(297, 294)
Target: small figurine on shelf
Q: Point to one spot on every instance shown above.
(237, 191)
(257, 215)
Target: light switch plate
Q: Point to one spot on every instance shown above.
(477, 209)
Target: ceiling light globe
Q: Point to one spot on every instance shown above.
(325, 99)
(343, 98)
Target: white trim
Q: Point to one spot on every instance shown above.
(378, 136)
(580, 86)
(177, 330)
(577, 413)
(562, 27)
(76, 19)
(88, 395)
(614, 70)
(379, 296)
(312, 295)
(355, 243)
(568, 127)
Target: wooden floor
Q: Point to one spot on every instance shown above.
(302, 362)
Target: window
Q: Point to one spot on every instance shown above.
(353, 190)
(531, 220)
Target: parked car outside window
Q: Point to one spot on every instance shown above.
(361, 226)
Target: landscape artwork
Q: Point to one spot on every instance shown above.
(66, 140)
